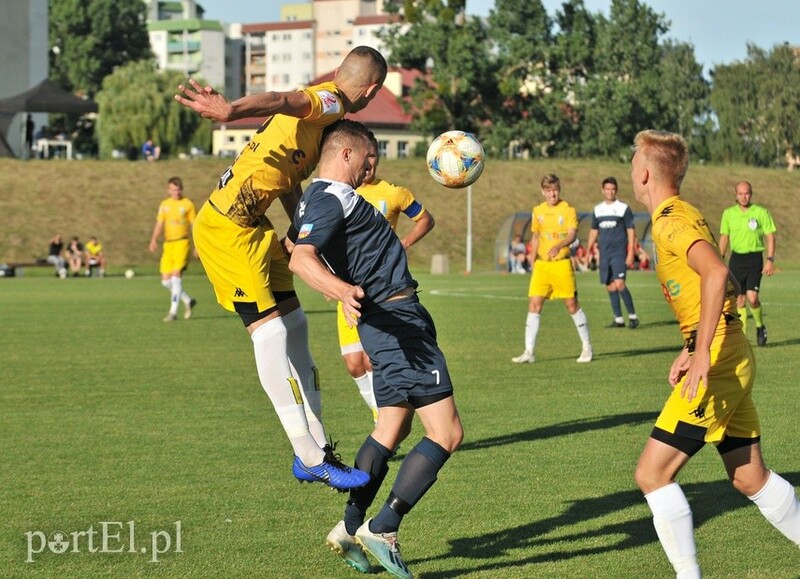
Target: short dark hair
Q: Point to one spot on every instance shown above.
(175, 181)
(345, 130)
(611, 180)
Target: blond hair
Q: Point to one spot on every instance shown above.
(668, 153)
(551, 180)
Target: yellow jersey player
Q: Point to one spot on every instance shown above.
(391, 200)
(712, 378)
(244, 258)
(175, 217)
(95, 257)
(554, 224)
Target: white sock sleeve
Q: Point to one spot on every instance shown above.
(364, 384)
(672, 518)
(299, 353)
(582, 324)
(778, 503)
(531, 330)
(269, 346)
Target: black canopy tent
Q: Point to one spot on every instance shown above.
(47, 97)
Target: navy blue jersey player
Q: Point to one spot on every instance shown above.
(612, 228)
(346, 250)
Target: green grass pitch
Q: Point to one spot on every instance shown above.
(110, 415)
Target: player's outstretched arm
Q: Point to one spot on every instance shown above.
(210, 104)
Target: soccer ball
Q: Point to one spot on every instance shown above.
(455, 159)
(129, 273)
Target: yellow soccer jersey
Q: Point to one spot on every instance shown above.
(677, 225)
(552, 224)
(94, 249)
(390, 200)
(281, 154)
(177, 215)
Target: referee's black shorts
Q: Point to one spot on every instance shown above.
(746, 269)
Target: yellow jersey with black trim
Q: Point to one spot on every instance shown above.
(677, 226)
(94, 249)
(391, 200)
(177, 215)
(282, 153)
(552, 223)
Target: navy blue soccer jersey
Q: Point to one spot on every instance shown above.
(612, 220)
(354, 239)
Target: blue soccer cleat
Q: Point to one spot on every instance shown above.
(332, 472)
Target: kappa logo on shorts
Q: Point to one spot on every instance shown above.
(699, 412)
(239, 293)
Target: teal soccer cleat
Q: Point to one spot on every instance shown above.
(385, 548)
(345, 545)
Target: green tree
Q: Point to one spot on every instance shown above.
(456, 88)
(684, 95)
(757, 103)
(623, 94)
(90, 38)
(529, 112)
(137, 102)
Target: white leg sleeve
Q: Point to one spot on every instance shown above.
(269, 346)
(778, 503)
(672, 518)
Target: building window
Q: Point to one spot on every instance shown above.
(383, 148)
(402, 149)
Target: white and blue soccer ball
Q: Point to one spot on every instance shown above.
(455, 159)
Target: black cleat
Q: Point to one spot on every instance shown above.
(761, 336)
(616, 324)
(633, 324)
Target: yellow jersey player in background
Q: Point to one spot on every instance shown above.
(175, 218)
(712, 378)
(390, 200)
(554, 224)
(95, 257)
(246, 262)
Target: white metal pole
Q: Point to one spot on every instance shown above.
(469, 229)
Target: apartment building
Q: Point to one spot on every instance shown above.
(182, 40)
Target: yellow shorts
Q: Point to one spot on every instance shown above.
(244, 264)
(553, 279)
(725, 407)
(349, 341)
(175, 256)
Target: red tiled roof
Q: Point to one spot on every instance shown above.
(376, 19)
(272, 26)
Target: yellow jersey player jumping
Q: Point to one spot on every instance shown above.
(390, 200)
(712, 378)
(176, 215)
(247, 263)
(554, 224)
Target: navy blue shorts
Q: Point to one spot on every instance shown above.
(612, 268)
(400, 339)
